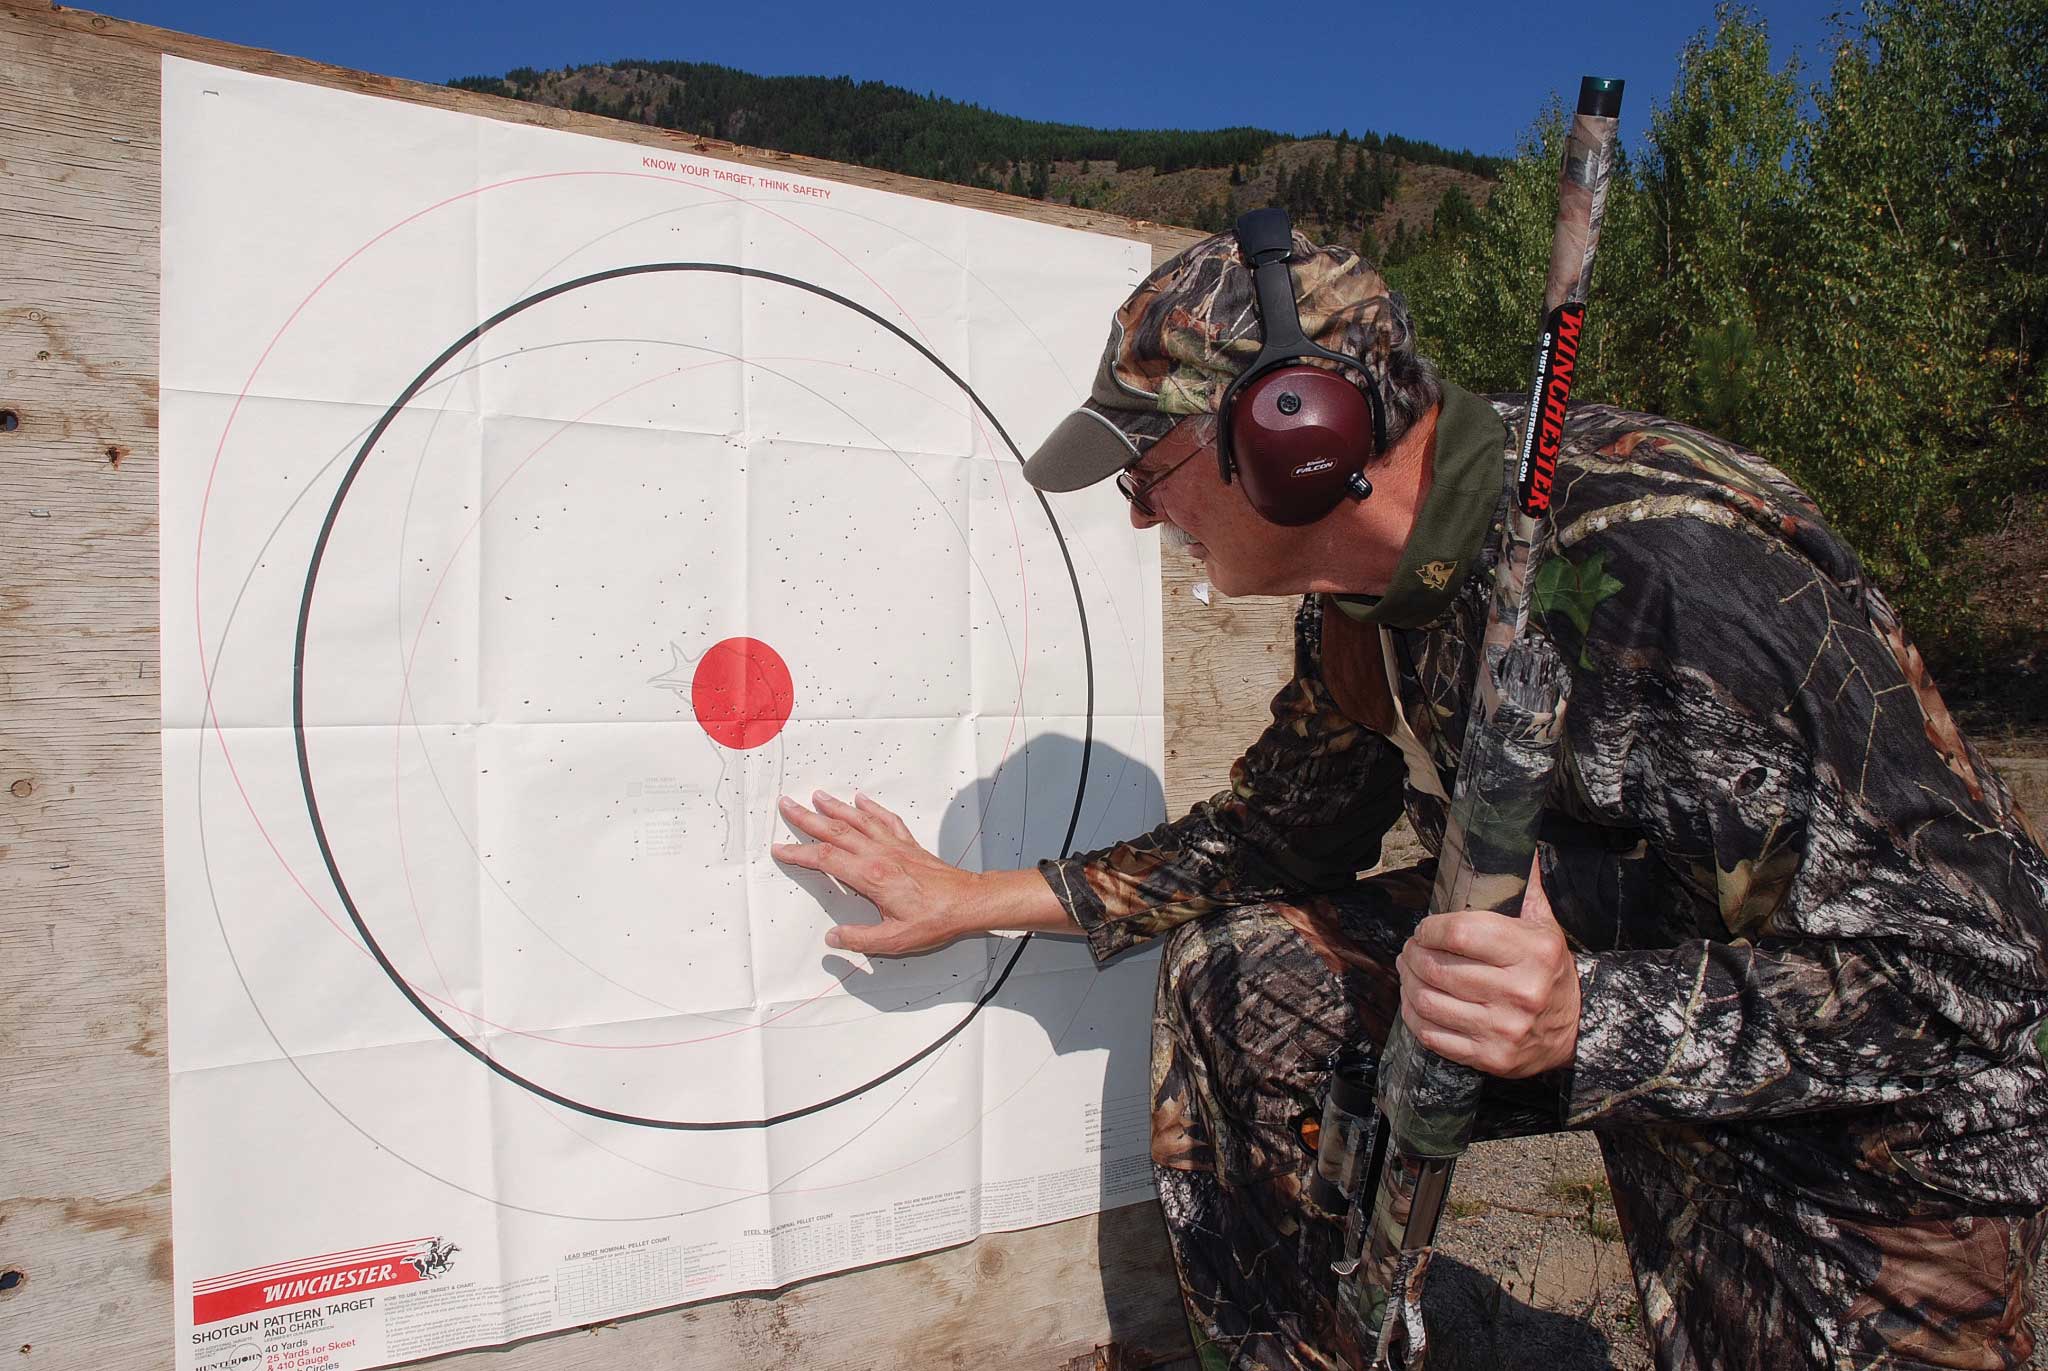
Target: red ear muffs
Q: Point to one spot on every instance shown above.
(1298, 436)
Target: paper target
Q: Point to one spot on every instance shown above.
(535, 512)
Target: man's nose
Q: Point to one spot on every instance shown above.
(1140, 519)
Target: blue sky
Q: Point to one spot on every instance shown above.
(1470, 74)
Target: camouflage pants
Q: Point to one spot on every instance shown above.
(1734, 1267)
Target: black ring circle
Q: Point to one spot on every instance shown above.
(299, 695)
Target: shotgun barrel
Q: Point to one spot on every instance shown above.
(1426, 1103)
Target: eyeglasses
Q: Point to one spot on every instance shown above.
(1135, 492)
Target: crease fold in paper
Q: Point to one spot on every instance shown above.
(536, 510)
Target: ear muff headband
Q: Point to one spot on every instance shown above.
(1297, 471)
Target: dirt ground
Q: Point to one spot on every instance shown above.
(1532, 1221)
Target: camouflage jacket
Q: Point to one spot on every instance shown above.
(1804, 906)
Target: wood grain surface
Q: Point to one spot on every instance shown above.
(85, 1186)
(85, 1189)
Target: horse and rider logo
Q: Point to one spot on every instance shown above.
(433, 1262)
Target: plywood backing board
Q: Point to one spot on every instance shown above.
(85, 1192)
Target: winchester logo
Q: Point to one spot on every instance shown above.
(353, 1273)
(1312, 467)
(1543, 431)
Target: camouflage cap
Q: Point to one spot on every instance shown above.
(1183, 336)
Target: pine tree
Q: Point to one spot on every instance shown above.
(1455, 215)
(1399, 248)
(1301, 189)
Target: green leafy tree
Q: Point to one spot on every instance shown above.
(1902, 377)
(1476, 296)
(1860, 295)
(1723, 201)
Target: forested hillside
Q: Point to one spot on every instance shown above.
(874, 124)
(1379, 191)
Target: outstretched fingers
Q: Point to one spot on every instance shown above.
(871, 853)
(823, 827)
(854, 818)
(834, 862)
(886, 817)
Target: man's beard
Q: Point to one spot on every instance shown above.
(1176, 536)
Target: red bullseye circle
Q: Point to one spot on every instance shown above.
(742, 693)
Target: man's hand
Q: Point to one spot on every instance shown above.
(1491, 992)
(924, 902)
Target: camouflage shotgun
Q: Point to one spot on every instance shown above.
(1426, 1103)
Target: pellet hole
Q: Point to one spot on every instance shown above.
(9, 421)
(10, 1279)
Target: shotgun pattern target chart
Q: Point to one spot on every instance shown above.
(535, 511)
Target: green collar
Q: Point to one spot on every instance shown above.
(1451, 527)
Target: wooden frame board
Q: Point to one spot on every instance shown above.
(85, 1253)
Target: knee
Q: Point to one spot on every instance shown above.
(1204, 959)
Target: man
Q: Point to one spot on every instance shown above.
(1788, 953)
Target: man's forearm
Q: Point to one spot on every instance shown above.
(1015, 902)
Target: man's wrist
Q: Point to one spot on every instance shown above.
(1016, 901)
(975, 908)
